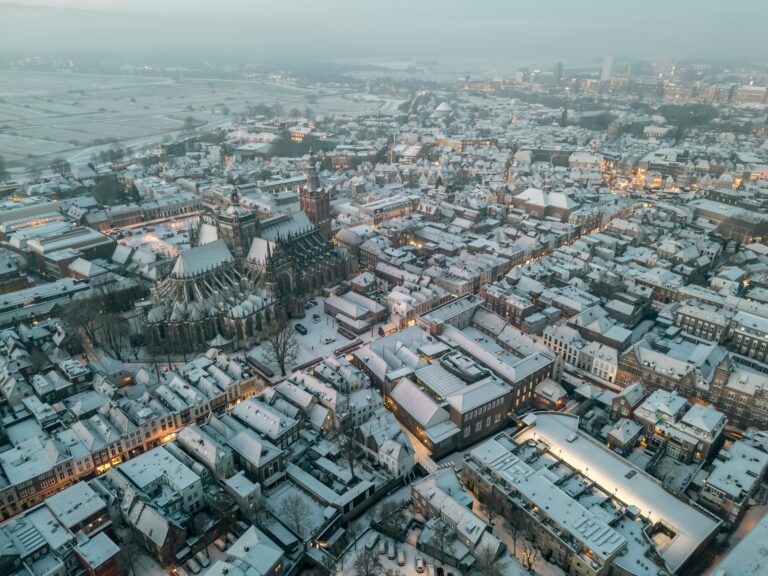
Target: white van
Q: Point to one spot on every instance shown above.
(372, 539)
(400, 556)
(202, 559)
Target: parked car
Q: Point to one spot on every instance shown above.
(440, 571)
(329, 339)
(382, 546)
(193, 566)
(202, 559)
(419, 564)
(220, 544)
(301, 329)
(231, 538)
(400, 557)
(391, 550)
(372, 539)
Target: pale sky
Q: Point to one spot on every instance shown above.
(519, 30)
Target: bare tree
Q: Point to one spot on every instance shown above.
(190, 123)
(442, 539)
(391, 519)
(282, 347)
(222, 511)
(83, 316)
(346, 443)
(295, 511)
(112, 334)
(487, 562)
(514, 529)
(200, 523)
(60, 166)
(352, 532)
(367, 563)
(530, 553)
(136, 341)
(492, 505)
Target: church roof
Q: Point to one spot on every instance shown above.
(282, 225)
(260, 249)
(207, 234)
(202, 258)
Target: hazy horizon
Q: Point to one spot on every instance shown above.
(444, 30)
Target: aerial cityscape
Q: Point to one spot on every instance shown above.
(366, 288)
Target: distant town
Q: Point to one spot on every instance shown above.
(363, 321)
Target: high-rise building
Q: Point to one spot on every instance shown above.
(607, 72)
(557, 73)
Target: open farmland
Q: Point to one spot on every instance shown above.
(43, 115)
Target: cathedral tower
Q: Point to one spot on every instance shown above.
(315, 202)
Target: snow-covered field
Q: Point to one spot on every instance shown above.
(43, 115)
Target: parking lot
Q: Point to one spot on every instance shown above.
(387, 563)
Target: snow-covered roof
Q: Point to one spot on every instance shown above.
(201, 259)
(421, 407)
(690, 526)
(477, 394)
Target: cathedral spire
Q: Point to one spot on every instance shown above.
(313, 180)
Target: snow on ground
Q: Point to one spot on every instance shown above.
(146, 565)
(320, 341)
(214, 554)
(639, 457)
(46, 113)
(674, 473)
(408, 569)
(502, 532)
(315, 516)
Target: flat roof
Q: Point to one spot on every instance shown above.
(98, 550)
(148, 467)
(75, 504)
(629, 484)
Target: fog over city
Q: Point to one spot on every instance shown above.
(383, 288)
(476, 31)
